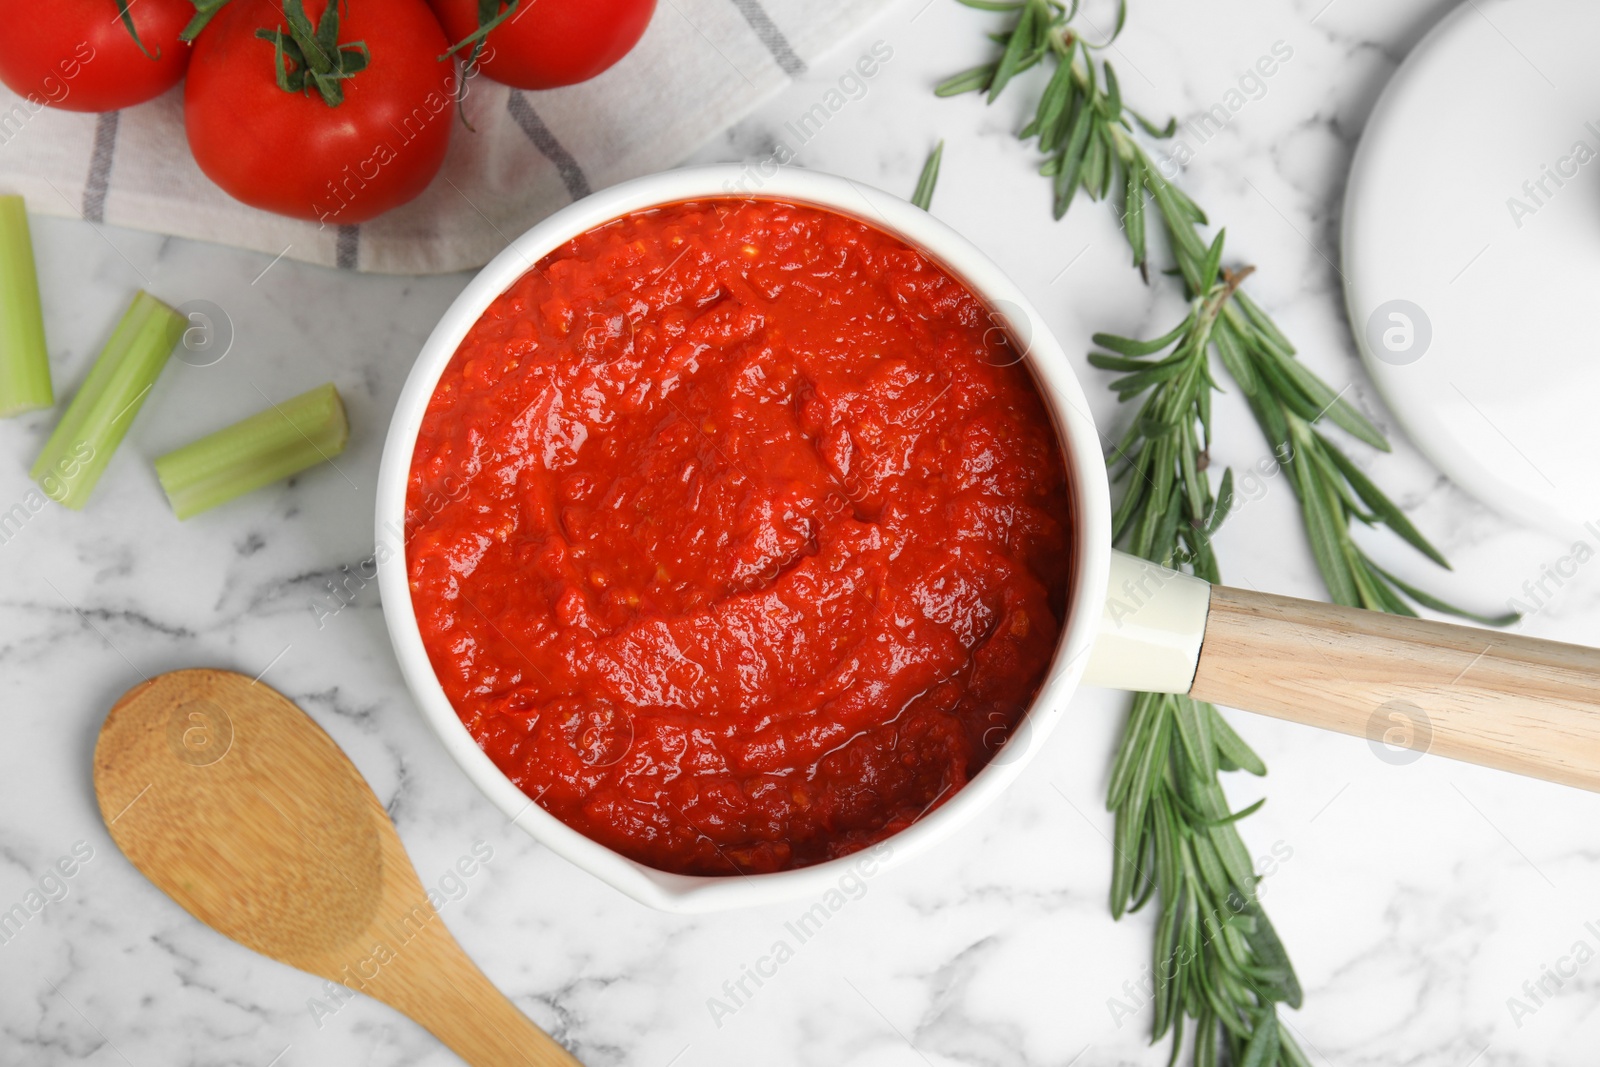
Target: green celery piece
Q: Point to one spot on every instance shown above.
(267, 447)
(110, 398)
(24, 360)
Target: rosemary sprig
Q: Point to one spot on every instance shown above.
(1087, 133)
(1217, 959)
(1289, 402)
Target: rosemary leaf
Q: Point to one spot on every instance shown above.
(968, 81)
(923, 196)
(1434, 603)
(992, 5)
(1021, 45)
(1380, 504)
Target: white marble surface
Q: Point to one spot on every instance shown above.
(1417, 899)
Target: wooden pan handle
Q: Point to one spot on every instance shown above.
(1500, 700)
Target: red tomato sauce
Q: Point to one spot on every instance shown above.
(737, 535)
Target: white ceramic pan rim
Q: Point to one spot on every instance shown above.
(1063, 396)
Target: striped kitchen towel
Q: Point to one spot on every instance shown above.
(701, 66)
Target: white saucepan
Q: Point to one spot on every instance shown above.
(1504, 701)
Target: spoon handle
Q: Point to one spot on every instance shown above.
(1496, 699)
(433, 981)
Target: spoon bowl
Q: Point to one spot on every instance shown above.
(242, 809)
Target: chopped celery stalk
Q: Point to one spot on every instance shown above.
(99, 416)
(24, 360)
(267, 447)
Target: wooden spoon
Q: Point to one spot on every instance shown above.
(237, 805)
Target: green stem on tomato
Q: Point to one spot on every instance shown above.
(491, 13)
(99, 416)
(204, 12)
(283, 440)
(24, 360)
(308, 57)
(125, 12)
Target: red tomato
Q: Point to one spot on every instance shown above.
(78, 54)
(548, 43)
(293, 153)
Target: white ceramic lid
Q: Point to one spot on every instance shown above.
(1472, 254)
